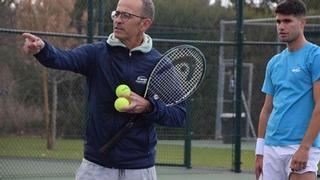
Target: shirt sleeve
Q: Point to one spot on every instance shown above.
(267, 84)
(76, 60)
(315, 68)
(171, 116)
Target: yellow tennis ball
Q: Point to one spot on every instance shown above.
(120, 103)
(123, 90)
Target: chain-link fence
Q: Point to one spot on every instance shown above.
(42, 111)
(48, 135)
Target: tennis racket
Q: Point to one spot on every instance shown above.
(176, 77)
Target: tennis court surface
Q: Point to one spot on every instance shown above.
(24, 168)
(60, 170)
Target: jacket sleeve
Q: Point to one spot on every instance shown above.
(75, 60)
(172, 116)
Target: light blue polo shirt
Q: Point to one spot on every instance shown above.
(289, 79)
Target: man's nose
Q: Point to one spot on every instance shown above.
(117, 19)
(280, 25)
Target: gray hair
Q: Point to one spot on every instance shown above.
(148, 9)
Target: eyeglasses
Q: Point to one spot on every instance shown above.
(124, 16)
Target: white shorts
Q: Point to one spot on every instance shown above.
(91, 171)
(277, 160)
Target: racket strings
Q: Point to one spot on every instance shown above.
(177, 75)
(191, 70)
(165, 88)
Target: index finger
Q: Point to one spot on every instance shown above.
(30, 36)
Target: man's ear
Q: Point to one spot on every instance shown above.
(146, 23)
(303, 22)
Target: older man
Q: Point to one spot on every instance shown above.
(127, 57)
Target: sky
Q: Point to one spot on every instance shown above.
(226, 3)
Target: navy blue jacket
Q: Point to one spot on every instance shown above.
(105, 67)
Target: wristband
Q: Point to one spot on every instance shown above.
(259, 146)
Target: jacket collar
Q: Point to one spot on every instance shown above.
(145, 47)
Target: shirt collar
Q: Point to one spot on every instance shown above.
(145, 47)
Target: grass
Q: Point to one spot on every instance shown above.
(32, 147)
(36, 148)
(208, 157)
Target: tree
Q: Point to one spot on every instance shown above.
(48, 16)
(179, 19)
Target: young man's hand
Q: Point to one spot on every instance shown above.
(258, 167)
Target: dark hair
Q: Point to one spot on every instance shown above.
(148, 8)
(291, 7)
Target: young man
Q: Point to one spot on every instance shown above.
(127, 57)
(288, 137)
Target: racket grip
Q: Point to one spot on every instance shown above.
(110, 144)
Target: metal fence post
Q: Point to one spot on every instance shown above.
(237, 149)
(188, 137)
(101, 16)
(90, 22)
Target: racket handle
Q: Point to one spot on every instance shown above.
(109, 145)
